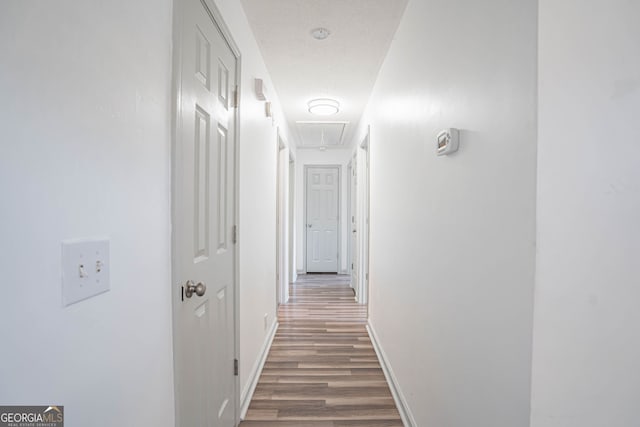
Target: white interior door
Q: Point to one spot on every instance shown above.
(204, 214)
(363, 252)
(322, 219)
(353, 229)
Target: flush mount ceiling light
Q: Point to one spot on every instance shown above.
(320, 33)
(323, 106)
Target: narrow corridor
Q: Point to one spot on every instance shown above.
(322, 370)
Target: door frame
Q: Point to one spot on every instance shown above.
(282, 220)
(364, 219)
(293, 274)
(350, 214)
(176, 120)
(304, 212)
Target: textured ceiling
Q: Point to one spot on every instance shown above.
(343, 67)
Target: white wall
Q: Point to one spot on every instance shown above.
(85, 151)
(305, 157)
(258, 179)
(85, 125)
(453, 238)
(587, 322)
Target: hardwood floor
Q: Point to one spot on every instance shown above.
(322, 370)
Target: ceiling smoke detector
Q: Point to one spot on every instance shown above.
(320, 33)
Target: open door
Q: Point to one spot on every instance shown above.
(364, 218)
(353, 225)
(204, 199)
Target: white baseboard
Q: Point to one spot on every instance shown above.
(247, 393)
(398, 397)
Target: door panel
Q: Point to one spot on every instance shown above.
(354, 225)
(204, 210)
(322, 219)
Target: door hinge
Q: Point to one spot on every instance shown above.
(234, 234)
(235, 99)
(235, 367)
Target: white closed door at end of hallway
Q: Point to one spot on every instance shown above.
(322, 219)
(204, 213)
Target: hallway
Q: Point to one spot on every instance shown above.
(322, 369)
(167, 168)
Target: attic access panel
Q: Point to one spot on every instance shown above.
(321, 133)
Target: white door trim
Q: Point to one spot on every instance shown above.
(292, 217)
(282, 220)
(364, 222)
(304, 214)
(218, 21)
(350, 214)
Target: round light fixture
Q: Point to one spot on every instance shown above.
(323, 106)
(320, 33)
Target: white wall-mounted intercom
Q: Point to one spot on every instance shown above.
(447, 141)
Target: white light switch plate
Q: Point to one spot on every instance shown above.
(85, 269)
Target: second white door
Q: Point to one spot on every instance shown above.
(322, 219)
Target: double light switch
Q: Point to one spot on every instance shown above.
(85, 269)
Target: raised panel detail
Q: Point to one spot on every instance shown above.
(331, 204)
(201, 169)
(202, 352)
(222, 353)
(223, 84)
(314, 211)
(316, 178)
(315, 244)
(222, 189)
(329, 248)
(329, 179)
(222, 408)
(203, 59)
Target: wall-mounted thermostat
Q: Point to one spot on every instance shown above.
(447, 141)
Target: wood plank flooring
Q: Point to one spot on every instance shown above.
(322, 370)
